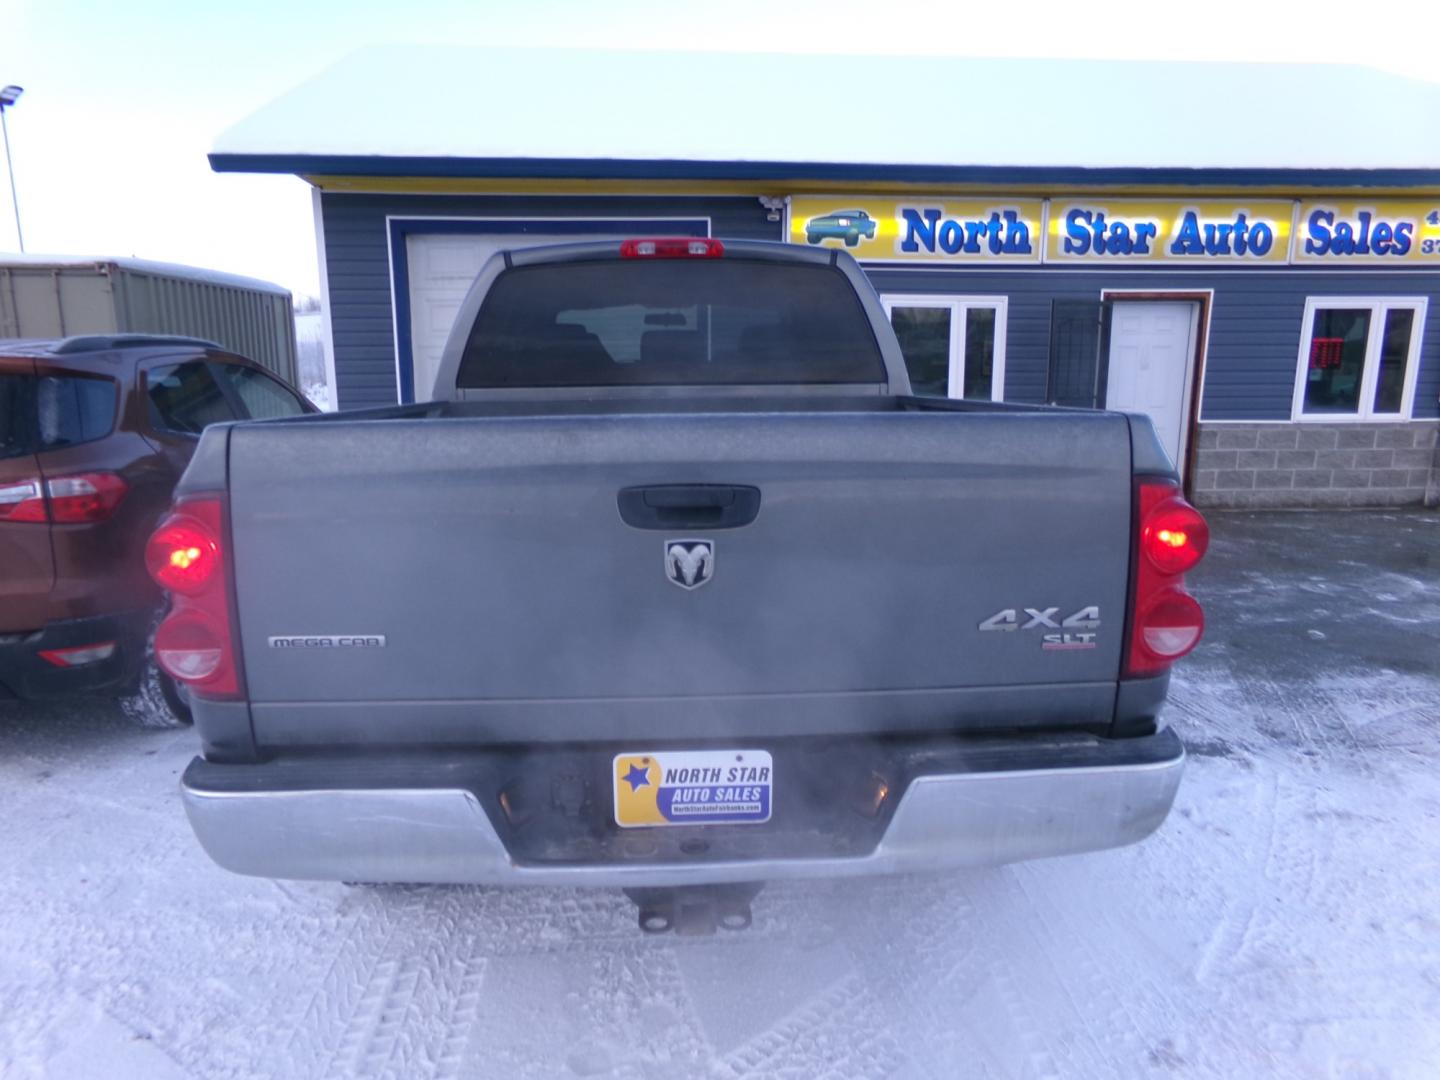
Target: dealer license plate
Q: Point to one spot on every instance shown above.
(697, 787)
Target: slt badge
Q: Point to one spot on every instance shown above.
(1087, 619)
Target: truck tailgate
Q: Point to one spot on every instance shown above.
(514, 603)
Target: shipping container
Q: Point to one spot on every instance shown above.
(47, 296)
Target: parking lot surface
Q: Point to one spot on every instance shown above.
(1284, 922)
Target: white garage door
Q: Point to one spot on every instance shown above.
(442, 267)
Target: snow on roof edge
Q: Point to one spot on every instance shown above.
(201, 274)
(509, 105)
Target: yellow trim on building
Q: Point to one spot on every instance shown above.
(443, 185)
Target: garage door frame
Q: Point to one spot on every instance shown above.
(400, 228)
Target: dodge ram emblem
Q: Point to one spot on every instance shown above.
(689, 563)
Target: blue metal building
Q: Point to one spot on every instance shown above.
(1248, 253)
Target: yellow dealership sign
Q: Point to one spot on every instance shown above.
(910, 229)
(1369, 233)
(1099, 231)
(1200, 233)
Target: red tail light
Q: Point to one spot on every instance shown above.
(76, 499)
(182, 555)
(677, 247)
(186, 555)
(23, 500)
(1165, 621)
(1173, 536)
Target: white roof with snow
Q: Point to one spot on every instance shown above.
(515, 105)
(141, 266)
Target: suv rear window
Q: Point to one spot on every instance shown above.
(665, 322)
(73, 409)
(263, 398)
(186, 398)
(17, 415)
(47, 412)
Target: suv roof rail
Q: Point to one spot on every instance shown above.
(96, 342)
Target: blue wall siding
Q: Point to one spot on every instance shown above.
(358, 262)
(1255, 324)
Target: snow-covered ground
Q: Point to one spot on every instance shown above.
(1284, 922)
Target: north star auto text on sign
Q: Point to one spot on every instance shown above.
(1088, 230)
(1243, 232)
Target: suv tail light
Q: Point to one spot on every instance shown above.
(677, 247)
(23, 501)
(76, 499)
(79, 655)
(1166, 622)
(186, 556)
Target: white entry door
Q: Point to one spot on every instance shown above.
(1152, 344)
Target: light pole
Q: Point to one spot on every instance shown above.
(8, 96)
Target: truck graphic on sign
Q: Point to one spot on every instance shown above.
(847, 225)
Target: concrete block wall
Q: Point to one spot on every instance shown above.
(1317, 465)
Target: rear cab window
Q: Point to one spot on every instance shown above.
(664, 322)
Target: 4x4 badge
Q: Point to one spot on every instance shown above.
(1087, 620)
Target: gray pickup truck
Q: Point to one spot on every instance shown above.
(678, 588)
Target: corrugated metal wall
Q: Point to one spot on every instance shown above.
(44, 302)
(358, 261)
(1254, 331)
(39, 301)
(255, 324)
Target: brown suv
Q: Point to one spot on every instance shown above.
(94, 433)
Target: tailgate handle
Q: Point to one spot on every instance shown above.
(689, 506)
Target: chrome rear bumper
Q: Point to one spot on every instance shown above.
(442, 835)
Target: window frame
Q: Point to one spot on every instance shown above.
(1378, 306)
(959, 307)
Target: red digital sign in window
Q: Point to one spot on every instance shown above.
(1326, 352)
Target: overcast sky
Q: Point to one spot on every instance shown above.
(123, 100)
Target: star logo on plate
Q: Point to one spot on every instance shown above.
(637, 777)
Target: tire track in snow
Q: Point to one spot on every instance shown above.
(324, 1017)
(411, 1010)
(915, 962)
(947, 984)
(463, 1010)
(830, 1038)
(1229, 939)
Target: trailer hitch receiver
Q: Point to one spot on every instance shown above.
(694, 910)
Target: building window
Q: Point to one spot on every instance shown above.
(954, 346)
(1358, 358)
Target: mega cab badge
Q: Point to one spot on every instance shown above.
(703, 787)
